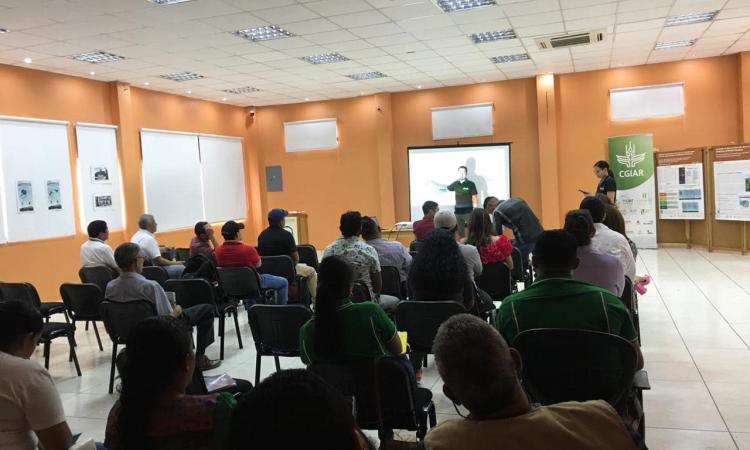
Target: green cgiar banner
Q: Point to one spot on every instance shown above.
(631, 159)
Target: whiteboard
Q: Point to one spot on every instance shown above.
(310, 135)
(223, 171)
(172, 178)
(462, 121)
(35, 154)
(99, 178)
(647, 101)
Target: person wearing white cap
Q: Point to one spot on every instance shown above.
(447, 220)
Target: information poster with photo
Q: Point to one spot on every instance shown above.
(679, 176)
(631, 159)
(732, 182)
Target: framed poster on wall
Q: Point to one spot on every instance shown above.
(732, 182)
(679, 176)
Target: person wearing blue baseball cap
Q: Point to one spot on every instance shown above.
(277, 240)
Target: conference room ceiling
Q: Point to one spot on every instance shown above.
(413, 43)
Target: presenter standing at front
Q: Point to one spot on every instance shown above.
(466, 199)
(607, 185)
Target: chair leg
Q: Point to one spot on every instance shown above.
(65, 314)
(46, 353)
(222, 325)
(237, 327)
(87, 325)
(433, 415)
(257, 368)
(98, 339)
(278, 365)
(73, 355)
(424, 362)
(112, 368)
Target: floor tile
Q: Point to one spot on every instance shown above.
(670, 439)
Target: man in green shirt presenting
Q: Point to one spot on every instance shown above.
(556, 300)
(466, 198)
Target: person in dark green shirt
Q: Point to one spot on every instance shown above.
(342, 330)
(556, 300)
(466, 198)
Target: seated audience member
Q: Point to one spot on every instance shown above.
(295, 409)
(556, 300)
(342, 330)
(30, 408)
(424, 225)
(276, 240)
(233, 253)
(517, 215)
(145, 238)
(131, 286)
(489, 205)
(390, 253)
(480, 372)
(446, 220)
(607, 241)
(153, 411)
(361, 257)
(491, 248)
(95, 251)
(204, 242)
(596, 268)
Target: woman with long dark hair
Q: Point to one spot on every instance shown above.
(153, 412)
(491, 248)
(607, 185)
(342, 330)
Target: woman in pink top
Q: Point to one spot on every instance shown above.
(491, 248)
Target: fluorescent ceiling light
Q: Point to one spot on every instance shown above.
(489, 36)
(510, 58)
(167, 2)
(674, 44)
(463, 5)
(182, 76)
(265, 33)
(685, 19)
(366, 76)
(241, 90)
(325, 58)
(97, 57)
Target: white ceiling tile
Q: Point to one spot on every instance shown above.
(392, 39)
(233, 22)
(412, 10)
(494, 13)
(311, 26)
(729, 26)
(285, 44)
(733, 13)
(625, 6)
(348, 45)
(330, 37)
(336, 7)
(436, 34)
(569, 4)
(21, 39)
(696, 6)
(536, 19)
(590, 24)
(638, 26)
(382, 29)
(487, 25)
(285, 14)
(642, 15)
(692, 31)
(359, 19)
(542, 30)
(426, 23)
(531, 7)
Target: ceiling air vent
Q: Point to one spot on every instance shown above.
(569, 40)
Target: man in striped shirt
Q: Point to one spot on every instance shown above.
(556, 300)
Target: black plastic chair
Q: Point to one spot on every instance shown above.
(98, 275)
(421, 320)
(308, 255)
(241, 284)
(562, 365)
(82, 302)
(156, 273)
(182, 254)
(119, 318)
(495, 280)
(197, 291)
(360, 292)
(522, 270)
(415, 246)
(275, 331)
(283, 266)
(27, 292)
(630, 299)
(391, 277)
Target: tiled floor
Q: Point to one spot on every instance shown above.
(695, 325)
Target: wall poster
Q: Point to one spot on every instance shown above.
(732, 182)
(679, 176)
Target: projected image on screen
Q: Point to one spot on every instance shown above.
(433, 169)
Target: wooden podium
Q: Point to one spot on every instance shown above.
(296, 222)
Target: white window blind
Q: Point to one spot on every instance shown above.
(462, 121)
(646, 102)
(310, 135)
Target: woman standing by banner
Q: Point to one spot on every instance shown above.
(607, 185)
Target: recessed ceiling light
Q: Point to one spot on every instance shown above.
(325, 58)
(366, 75)
(361, 93)
(307, 99)
(188, 91)
(685, 19)
(97, 57)
(223, 99)
(265, 33)
(167, 2)
(27, 60)
(674, 44)
(146, 83)
(489, 36)
(419, 86)
(92, 73)
(4, 30)
(241, 90)
(510, 58)
(182, 76)
(463, 5)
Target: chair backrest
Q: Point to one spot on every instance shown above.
(24, 292)
(630, 299)
(360, 292)
(308, 255)
(120, 317)
(396, 395)
(415, 246)
(82, 300)
(191, 291)
(575, 365)
(156, 273)
(98, 275)
(182, 254)
(275, 328)
(421, 320)
(495, 280)
(518, 264)
(391, 281)
(239, 283)
(280, 265)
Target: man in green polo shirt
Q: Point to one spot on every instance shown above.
(556, 300)
(466, 198)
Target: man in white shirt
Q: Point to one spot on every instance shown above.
(146, 240)
(95, 252)
(447, 220)
(607, 241)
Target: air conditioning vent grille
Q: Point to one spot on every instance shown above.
(569, 40)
